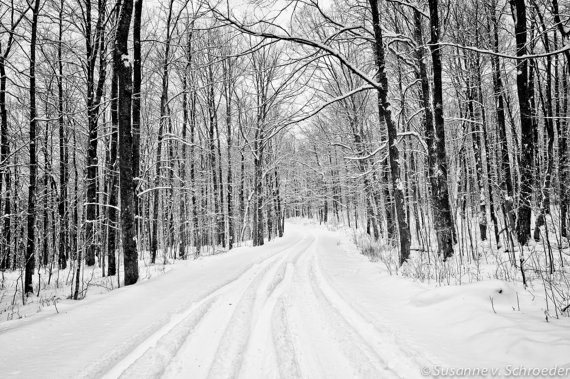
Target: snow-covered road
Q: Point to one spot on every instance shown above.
(307, 305)
(267, 312)
(278, 319)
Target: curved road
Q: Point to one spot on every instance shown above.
(277, 316)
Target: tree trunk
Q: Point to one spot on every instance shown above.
(113, 182)
(156, 195)
(278, 206)
(163, 123)
(183, 229)
(5, 198)
(92, 142)
(122, 69)
(258, 223)
(63, 155)
(222, 218)
(30, 260)
(212, 127)
(435, 139)
(384, 110)
(228, 91)
(526, 163)
(136, 127)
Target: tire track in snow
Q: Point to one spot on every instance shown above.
(155, 360)
(229, 355)
(186, 321)
(367, 361)
(403, 360)
(152, 345)
(304, 333)
(287, 360)
(261, 352)
(282, 338)
(242, 347)
(342, 346)
(199, 352)
(280, 318)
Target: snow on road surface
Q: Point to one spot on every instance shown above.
(299, 307)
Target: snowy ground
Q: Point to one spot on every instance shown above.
(304, 306)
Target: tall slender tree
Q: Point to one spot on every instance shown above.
(526, 163)
(30, 258)
(384, 110)
(122, 68)
(435, 139)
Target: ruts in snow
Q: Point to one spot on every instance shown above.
(278, 319)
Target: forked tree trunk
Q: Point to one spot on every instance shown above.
(384, 110)
(435, 139)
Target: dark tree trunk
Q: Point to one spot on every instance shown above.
(212, 128)
(5, 198)
(5, 177)
(92, 142)
(241, 194)
(73, 235)
(564, 159)
(63, 155)
(183, 230)
(46, 196)
(564, 168)
(278, 206)
(526, 163)
(258, 223)
(195, 220)
(30, 261)
(192, 120)
(156, 195)
(435, 139)
(122, 69)
(385, 113)
(169, 206)
(137, 80)
(222, 218)
(242, 188)
(269, 206)
(113, 182)
(228, 91)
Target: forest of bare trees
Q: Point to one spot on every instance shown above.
(156, 130)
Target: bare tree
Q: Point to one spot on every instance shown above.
(122, 68)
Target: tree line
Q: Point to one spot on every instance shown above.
(167, 130)
(148, 137)
(446, 124)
